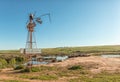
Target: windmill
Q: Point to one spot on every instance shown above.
(31, 49)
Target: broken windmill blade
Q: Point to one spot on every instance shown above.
(38, 19)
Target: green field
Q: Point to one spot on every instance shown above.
(95, 50)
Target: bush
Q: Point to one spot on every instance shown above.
(75, 67)
(19, 67)
(26, 70)
(32, 69)
(35, 69)
(20, 59)
(3, 63)
(12, 62)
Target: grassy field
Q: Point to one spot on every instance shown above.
(8, 56)
(95, 50)
(72, 73)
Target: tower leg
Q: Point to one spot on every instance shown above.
(31, 40)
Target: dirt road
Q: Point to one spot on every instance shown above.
(99, 63)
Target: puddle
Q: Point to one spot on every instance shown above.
(36, 62)
(56, 57)
(111, 56)
(47, 59)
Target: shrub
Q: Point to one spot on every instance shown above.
(19, 67)
(75, 67)
(12, 62)
(32, 69)
(3, 63)
(35, 69)
(20, 59)
(26, 70)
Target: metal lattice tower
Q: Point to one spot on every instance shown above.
(31, 49)
(31, 38)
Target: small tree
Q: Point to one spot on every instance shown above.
(12, 62)
(3, 63)
(20, 60)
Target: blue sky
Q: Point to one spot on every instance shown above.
(74, 23)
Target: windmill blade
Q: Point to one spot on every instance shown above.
(49, 17)
(47, 14)
(39, 20)
(44, 14)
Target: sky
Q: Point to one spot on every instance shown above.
(74, 23)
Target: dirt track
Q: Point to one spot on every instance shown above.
(108, 64)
